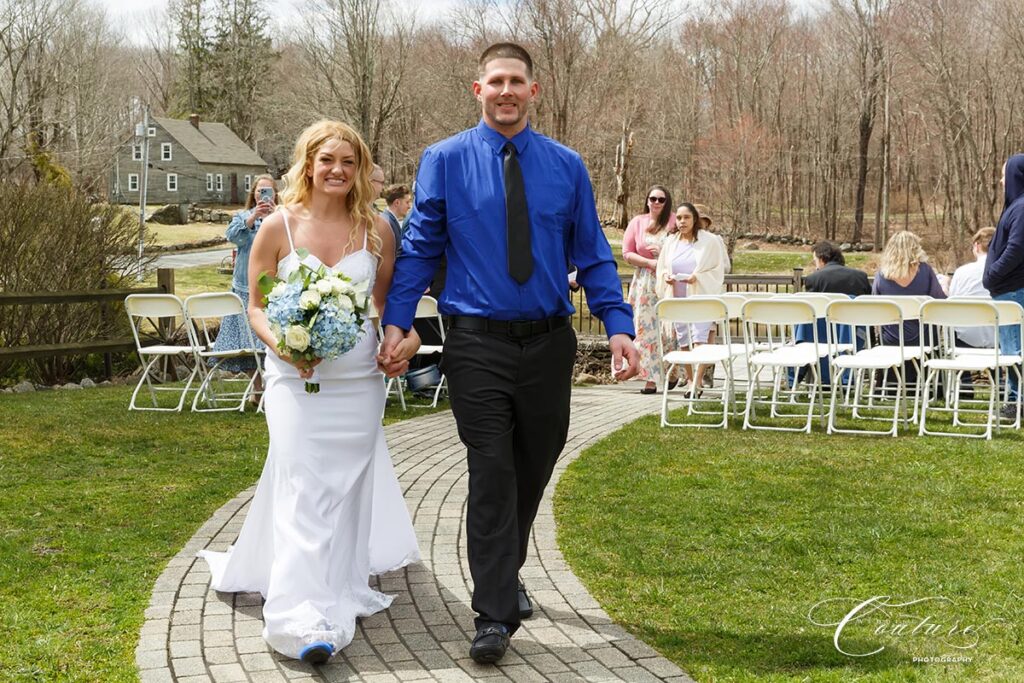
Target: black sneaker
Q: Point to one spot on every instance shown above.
(1009, 411)
(525, 606)
(490, 644)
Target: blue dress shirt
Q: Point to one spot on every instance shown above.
(460, 210)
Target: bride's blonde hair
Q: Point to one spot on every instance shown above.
(359, 199)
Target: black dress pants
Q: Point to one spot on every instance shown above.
(510, 398)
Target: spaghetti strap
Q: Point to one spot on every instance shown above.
(288, 230)
(366, 233)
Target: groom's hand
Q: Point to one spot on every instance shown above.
(395, 352)
(625, 357)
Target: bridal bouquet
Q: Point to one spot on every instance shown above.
(314, 314)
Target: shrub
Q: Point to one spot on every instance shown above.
(52, 239)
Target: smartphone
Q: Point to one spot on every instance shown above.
(265, 194)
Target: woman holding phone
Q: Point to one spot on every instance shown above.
(242, 230)
(691, 263)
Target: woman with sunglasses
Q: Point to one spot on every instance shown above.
(641, 246)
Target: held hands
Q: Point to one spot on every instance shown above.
(625, 357)
(397, 347)
(688, 279)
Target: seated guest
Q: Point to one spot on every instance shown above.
(831, 274)
(966, 281)
(904, 271)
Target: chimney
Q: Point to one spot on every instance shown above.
(194, 120)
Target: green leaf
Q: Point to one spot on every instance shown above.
(266, 284)
(302, 253)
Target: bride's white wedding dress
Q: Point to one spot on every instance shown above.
(328, 511)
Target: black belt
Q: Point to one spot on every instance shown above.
(514, 329)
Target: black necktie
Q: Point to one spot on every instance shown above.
(520, 260)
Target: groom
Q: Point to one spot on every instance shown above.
(509, 207)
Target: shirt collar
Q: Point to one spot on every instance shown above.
(497, 141)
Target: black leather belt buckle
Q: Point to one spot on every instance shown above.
(518, 329)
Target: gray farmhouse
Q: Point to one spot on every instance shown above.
(189, 161)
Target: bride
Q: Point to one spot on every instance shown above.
(328, 511)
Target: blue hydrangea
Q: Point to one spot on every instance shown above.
(284, 310)
(334, 332)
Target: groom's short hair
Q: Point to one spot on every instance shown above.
(506, 51)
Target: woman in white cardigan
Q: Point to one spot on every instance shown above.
(691, 262)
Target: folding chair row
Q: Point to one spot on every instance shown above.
(198, 314)
(855, 365)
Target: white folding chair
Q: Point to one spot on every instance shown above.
(148, 309)
(910, 311)
(780, 317)
(945, 316)
(426, 308)
(205, 313)
(862, 316)
(1010, 314)
(691, 312)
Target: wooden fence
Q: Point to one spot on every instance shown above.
(102, 297)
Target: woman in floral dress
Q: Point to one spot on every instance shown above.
(641, 246)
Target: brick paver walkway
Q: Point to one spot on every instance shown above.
(195, 634)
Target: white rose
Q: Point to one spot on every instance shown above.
(278, 291)
(324, 286)
(297, 337)
(309, 299)
(345, 303)
(340, 286)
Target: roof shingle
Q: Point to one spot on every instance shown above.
(211, 143)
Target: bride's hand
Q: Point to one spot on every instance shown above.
(305, 367)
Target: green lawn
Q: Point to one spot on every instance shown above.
(195, 280)
(783, 262)
(93, 503)
(163, 235)
(713, 547)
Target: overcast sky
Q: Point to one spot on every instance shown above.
(125, 11)
(128, 12)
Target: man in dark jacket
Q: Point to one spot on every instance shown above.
(832, 275)
(1004, 269)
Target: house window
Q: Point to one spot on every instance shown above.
(220, 183)
(209, 182)
(165, 151)
(133, 182)
(152, 131)
(248, 183)
(136, 152)
(172, 182)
